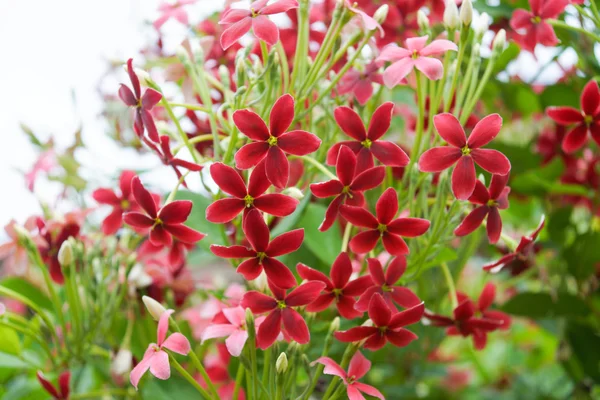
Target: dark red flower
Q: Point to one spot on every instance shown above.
(387, 228)
(489, 202)
(384, 285)
(485, 301)
(272, 143)
(348, 187)
(549, 145)
(280, 309)
(246, 199)
(339, 288)
(142, 104)
(360, 83)
(465, 152)
(58, 393)
(366, 143)
(54, 238)
(387, 326)
(587, 120)
(119, 203)
(167, 158)
(164, 223)
(533, 23)
(522, 258)
(261, 255)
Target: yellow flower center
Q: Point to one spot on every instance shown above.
(281, 304)
(492, 203)
(272, 140)
(466, 151)
(588, 119)
(261, 255)
(536, 20)
(366, 143)
(382, 228)
(249, 200)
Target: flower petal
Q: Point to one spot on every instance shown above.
(278, 7)
(379, 311)
(256, 230)
(355, 334)
(251, 154)
(285, 243)
(258, 182)
(438, 159)
(228, 180)
(304, 294)
(331, 367)
(394, 244)
(368, 179)
(359, 366)
(341, 270)
(327, 189)
(214, 331)
(359, 216)
(295, 326)
(364, 241)
(389, 154)
(331, 213)
(269, 330)
(258, 302)
(564, 115)
(404, 297)
(138, 220)
(178, 343)
(590, 98)
(278, 273)
(298, 143)
(370, 390)
(463, 178)
(234, 32)
(176, 212)
(491, 160)
(282, 115)
(408, 227)
(143, 197)
(485, 131)
(395, 270)
(436, 47)
(265, 29)
(432, 68)
(276, 204)
(224, 210)
(251, 125)
(472, 221)
(450, 129)
(250, 269)
(387, 206)
(277, 167)
(350, 123)
(232, 251)
(311, 274)
(380, 121)
(140, 369)
(400, 338)
(394, 74)
(494, 225)
(575, 139)
(345, 166)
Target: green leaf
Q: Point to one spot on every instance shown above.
(583, 255)
(509, 54)
(543, 305)
(288, 223)
(325, 245)
(560, 95)
(26, 289)
(558, 223)
(540, 181)
(583, 341)
(10, 342)
(11, 361)
(197, 219)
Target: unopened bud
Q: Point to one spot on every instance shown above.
(224, 75)
(335, 325)
(281, 364)
(138, 277)
(422, 21)
(65, 254)
(499, 40)
(181, 53)
(142, 75)
(381, 14)
(293, 192)
(481, 24)
(451, 18)
(121, 363)
(249, 319)
(466, 12)
(154, 307)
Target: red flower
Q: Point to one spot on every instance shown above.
(366, 143)
(384, 226)
(167, 158)
(466, 323)
(387, 327)
(533, 23)
(348, 187)
(60, 393)
(271, 144)
(523, 256)
(359, 366)
(263, 251)
(360, 83)
(464, 152)
(54, 238)
(384, 285)
(142, 104)
(485, 301)
(240, 21)
(587, 120)
(165, 223)
(230, 182)
(339, 288)
(280, 310)
(120, 204)
(489, 201)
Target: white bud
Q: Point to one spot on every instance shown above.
(182, 53)
(451, 18)
(381, 14)
(261, 281)
(281, 364)
(499, 40)
(154, 307)
(65, 254)
(224, 143)
(422, 20)
(466, 12)
(121, 363)
(293, 192)
(481, 24)
(138, 277)
(142, 75)
(335, 325)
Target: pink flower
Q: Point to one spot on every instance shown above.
(235, 330)
(465, 153)
(156, 358)
(359, 366)
(416, 55)
(172, 10)
(45, 162)
(533, 23)
(12, 254)
(240, 21)
(360, 83)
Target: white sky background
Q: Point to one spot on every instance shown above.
(54, 50)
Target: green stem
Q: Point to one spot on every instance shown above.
(33, 336)
(100, 394)
(470, 104)
(560, 24)
(194, 107)
(239, 376)
(319, 166)
(346, 237)
(450, 283)
(189, 378)
(301, 44)
(459, 58)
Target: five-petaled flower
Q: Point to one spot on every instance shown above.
(383, 226)
(58, 393)
(387, 326)
(156, 358)
(533, 23)
(246, 199)
(167, 158)
(261, 255)
(339, 289)
(119, 203)
(417, 54)
(522, 257)
(142, 104)
(53, 236)
(359, 366)
(360, 82)
(165, 223)
(586, 120)
(384, 285)
(348, 187)
(280, 309)
(174, 10)
(366, 143)
(488, 202)
(272, 143)
(240, 21)
(234, 328)
(465, 152)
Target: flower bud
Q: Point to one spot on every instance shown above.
(138, 277)
(451, 18)
(381, 14)
(281, 364)
(142, 75)
(335, 325)
(422, 21)
(249, 318)
(481, 24)
(224, 75)
(293, 192)
(65, 254)
(466, 12)
(121, 363)
(154, 307)
(181, 53)
(499, 40)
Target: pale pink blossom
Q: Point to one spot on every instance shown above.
(172, 10)
(12, 253)
(417, 54)
(234, 330)
(45, 162)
